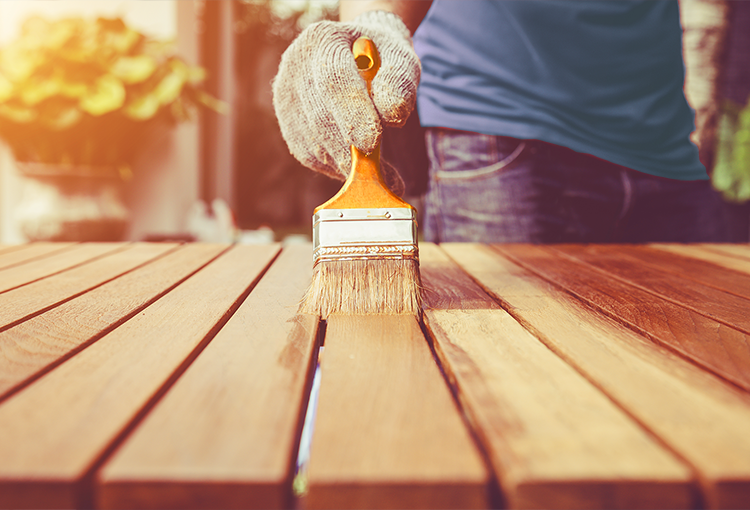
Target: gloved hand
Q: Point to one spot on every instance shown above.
(322, 104)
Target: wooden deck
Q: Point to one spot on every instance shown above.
(563, 376)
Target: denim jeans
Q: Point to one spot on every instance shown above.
(485, 188)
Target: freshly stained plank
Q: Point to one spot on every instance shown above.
(702, 419)
(683, 267)
(722, 306)
(13, 277)
(28, 252)
(225, 434)
(446, 286)
(723, 350)
(555, 441)
(42, 341)
(22, 303)
(55, 431)
(387, 432)
(704, 253)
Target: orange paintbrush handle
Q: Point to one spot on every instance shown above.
(365, 187)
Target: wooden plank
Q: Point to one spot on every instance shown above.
(722, 306)
(683, 266)
(24, 302)
(729, 350)
(554, 440)
(13, 256)
(446, 286)
(741, 251)
(704, 253)
(723, 350)
(14, 277)
(40, 343)
(387, 432)
(55, 432)
(225, 436)
(699, 417)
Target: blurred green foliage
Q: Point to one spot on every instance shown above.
(91, 91)
(731, 172)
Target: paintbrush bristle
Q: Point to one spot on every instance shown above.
(364, 286)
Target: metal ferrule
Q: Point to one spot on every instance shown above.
(349, 234)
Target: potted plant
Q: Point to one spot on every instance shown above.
(79, 98)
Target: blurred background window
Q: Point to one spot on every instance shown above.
(267, 187)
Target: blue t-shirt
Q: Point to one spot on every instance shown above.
(599, 77)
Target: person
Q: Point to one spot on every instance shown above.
(546, 121)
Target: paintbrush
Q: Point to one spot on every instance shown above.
(365, 253)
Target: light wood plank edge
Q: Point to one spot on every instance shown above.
(86, 343)
(388, 495)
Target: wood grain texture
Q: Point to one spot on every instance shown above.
(446, 286)
(728, 308)
(24, 302)
(32, 347)
(696, 415)
(17, 276)
(741, 251)
(24, 253)
(554, 440)
(723, 350)
(387, 432)
(681, 266)
(226, 434)
(702, 252)
(54, 432)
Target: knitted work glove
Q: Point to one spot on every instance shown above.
(322, 104)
